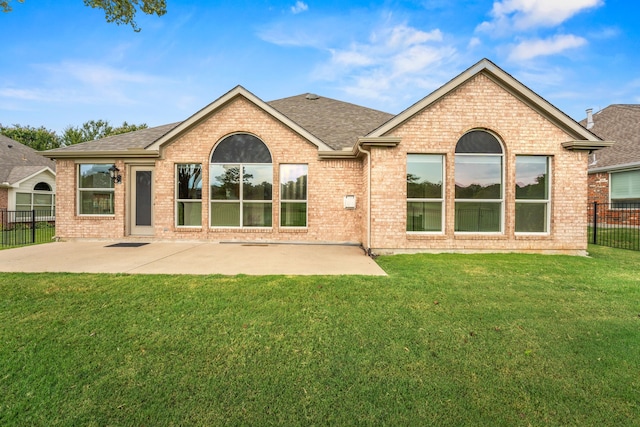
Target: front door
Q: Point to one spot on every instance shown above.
(141, 218)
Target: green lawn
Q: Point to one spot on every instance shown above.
(487, 340)
(22, 235)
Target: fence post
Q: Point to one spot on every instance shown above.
(33, 226)
(595, 223)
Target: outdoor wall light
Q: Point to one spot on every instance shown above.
(115, 176)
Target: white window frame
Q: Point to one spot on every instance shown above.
(546, 201)
(305, 200)
(441, 200)
(105, 190)
(187, 201)
(613, 201)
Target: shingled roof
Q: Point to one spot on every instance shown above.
(336, 123)
(619, 123)
(18, 161)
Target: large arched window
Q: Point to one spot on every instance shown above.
(241, 177)
(479, 194)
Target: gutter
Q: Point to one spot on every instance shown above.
(131, 153)
(615, 168)
(368, 155)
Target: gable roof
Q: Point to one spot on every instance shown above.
(339, 124)
(621, 123)
(510, 84)
(233, 94)
(18, 161)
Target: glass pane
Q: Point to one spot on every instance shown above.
(23, 207)
(189, 179)
(478, 177)
(189, 213)
(256, 214)
(424, 216)
(143, 198)
(96, 202)
(225, 182)
(483, 217)
(478, 141)
(531, 178)
(42, 186)
(424, 176)
(241, 148)
(257, 182)
(531, 217)
(23, 199)
(625, 185)
(293, 214)
(225, 214)
(293, 182)
(95, 176)
(42, 199)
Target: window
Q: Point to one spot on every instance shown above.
(479, 191)
(293, 195)
(189, 195)
(625, 188)
(241, 176)
(95, 189)
(425, 192)
(532, 194)
(42, 200)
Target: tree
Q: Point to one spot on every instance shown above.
(95, 129)
(118, 11)
(37, 138)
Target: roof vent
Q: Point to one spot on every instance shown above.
(312, 96)
(589, 118)
(10, 146)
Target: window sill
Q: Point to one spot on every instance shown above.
(293, 230)
(240, 230)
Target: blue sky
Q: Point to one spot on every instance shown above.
(62, 64)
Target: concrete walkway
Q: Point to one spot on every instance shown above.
(188, 258)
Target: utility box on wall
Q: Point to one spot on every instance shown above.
(350, 202)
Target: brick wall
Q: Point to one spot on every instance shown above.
(599, 187)
(479, 103)
(4, 198)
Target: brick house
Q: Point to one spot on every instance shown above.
(481, 164)
(614, 172)
(27, 179)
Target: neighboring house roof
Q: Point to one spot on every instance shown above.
(620, 123)
(18, 161)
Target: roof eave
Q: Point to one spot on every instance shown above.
(616, 168)
(582, 145)
(103, 154)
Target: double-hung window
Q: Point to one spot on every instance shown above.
(189, 195)
(241, 178)
(95, 189)
(532, 194)
(425, 192)
(625, 188)
(479, 193)
(293, 195)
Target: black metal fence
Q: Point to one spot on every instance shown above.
(616, 225)
(19, 228)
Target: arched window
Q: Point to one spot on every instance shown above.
(479, 193)
(42, 186)
(241, 177)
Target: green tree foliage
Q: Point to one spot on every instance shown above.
(118, 11)
(95, 129)
(37, 138)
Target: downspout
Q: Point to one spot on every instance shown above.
(368, 155)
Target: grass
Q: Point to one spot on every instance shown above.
(617, 237)
(500, 340)
(22, 235)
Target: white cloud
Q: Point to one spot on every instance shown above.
(299, 7)
(395, 61)
(509, 15)
(529, 49)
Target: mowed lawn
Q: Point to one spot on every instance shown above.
(486, 340)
